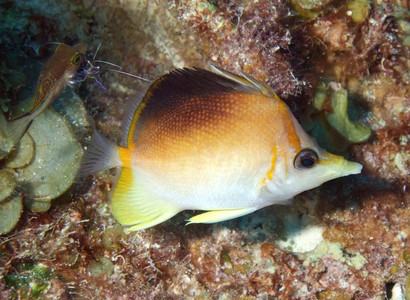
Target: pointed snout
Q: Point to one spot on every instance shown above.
(337, 166)
(350, 168)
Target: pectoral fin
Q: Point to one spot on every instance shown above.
(135, 207)
(220, 215)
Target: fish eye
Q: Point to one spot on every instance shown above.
(77, 58)
(305, 159)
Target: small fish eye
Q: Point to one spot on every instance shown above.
(305, 159)
(77, 58)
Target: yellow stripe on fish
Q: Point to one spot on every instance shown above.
(211, 141)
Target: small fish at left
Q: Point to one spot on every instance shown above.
(55, 76)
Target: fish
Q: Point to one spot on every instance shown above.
(57, 73)
(213, 141)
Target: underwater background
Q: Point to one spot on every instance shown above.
(341, 66)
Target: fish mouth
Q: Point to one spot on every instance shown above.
(337, 166)
(350, 168)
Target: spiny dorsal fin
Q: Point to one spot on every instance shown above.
(245, 80)
(198, 81)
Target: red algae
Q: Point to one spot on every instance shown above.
(387, 156)
(377, 231)
(248, 37)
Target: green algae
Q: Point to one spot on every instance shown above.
(334, 295)
(354, 132)
(10, 211)
(103, 266)
(111, 238)
(23, 154)
(320, 96)
(31, 281)
(40, 204)
(56, 149)
(5, 144)
(309, 8)
(7, 183)
(358, 10)
(43, 165)
(224, 258)
(333, 100)
(404, 31)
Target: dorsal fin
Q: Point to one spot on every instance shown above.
(245, 80)
(128, 117)
(198, 81)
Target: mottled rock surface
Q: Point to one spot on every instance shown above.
(360, 232)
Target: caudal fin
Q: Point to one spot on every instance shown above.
(101, 154)
(15, 129)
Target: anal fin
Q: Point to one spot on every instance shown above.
(136, 207)
(214, 216)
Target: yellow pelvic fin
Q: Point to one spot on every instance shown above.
(220, 215)
(136, 207)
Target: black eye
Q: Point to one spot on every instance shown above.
(305, 159)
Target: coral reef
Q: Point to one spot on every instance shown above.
(347, 239)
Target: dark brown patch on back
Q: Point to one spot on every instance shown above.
(185, 99)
